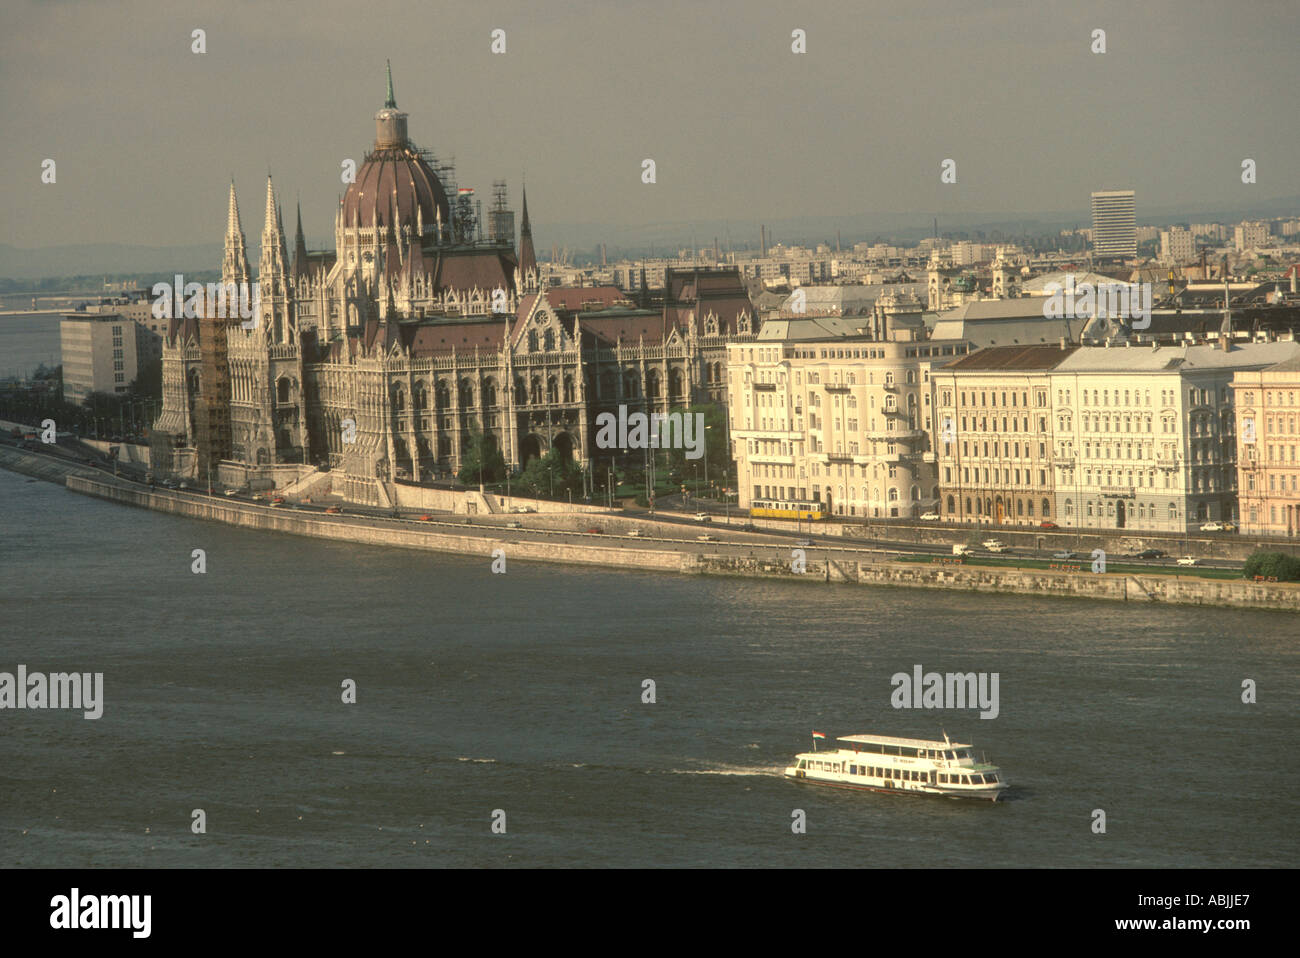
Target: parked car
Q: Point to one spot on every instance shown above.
(703, 517)
(258, 497)
(1048, 524)
(1188, 560)
(334, 510)
(426, 518)
(634, 532)
(961, 550)
(802, 543)
(278, 501)
(929, 516)
(232, 492)
(1150, 554)
(514, 524)
(183, 485)
(747, 527)
(995, 545)
(1065, 555)
(595, 531)
(1213, 527)
(707, 538)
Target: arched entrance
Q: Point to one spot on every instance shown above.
(1119, 514)
(530, 447)
(1001, 513)
(563, 445)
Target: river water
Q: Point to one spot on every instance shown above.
(523, 693)
(26, 341)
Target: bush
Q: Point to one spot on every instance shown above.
(1279, 565)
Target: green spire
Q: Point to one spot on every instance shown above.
(390, 103)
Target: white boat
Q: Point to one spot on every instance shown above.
(880, 763)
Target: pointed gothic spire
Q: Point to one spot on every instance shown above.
(390, 103)
(299, 249)
(234, 263)
(527, 255)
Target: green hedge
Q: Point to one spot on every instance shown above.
(1270, 565)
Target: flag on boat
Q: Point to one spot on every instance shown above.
(818, 735)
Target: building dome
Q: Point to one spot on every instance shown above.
(395, 183)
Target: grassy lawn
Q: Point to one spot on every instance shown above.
(1084, 566)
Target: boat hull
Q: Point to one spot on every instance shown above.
(983, 794)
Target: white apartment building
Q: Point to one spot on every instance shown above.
(1145, 438)
(844, 422)
(1114, 225)
(98, 354)
(1250, 235)
(1177, 245)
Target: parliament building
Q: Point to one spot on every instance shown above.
(382, 358)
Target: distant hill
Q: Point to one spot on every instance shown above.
(664, 237)
(108, 258)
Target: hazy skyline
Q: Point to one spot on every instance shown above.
(147, 134)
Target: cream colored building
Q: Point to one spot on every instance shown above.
(843, 422)
(994, 435)
(98, 353)
(1268, 439)
(1145, 438)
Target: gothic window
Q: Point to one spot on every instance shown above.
(552, 392)
(652, 384)
(532, 340)
(399, 399)
(420, 396)
(466, 393)
(490, 392)
(521, 396)
(631, 385)
(548, 340)
(535, 390)
(711, 325)
(441, 395)
(568, 389)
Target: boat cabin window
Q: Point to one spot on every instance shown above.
(950, 755)
(803, 763)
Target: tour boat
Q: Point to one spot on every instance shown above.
(879, 763)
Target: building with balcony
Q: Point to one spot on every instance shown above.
(1146, 438)
(843, 421)
(994, 436)
(1267, 402)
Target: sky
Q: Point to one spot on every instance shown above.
(146, 134)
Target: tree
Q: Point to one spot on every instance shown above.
(1279, 565)
(552, 474)
(148, 380)
(711, 437)
(482, 461)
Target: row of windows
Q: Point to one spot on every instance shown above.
(986, 507)
(1007, 448)
(905, 774)
(1272, 397)
(1017, 400)
(999, 476)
